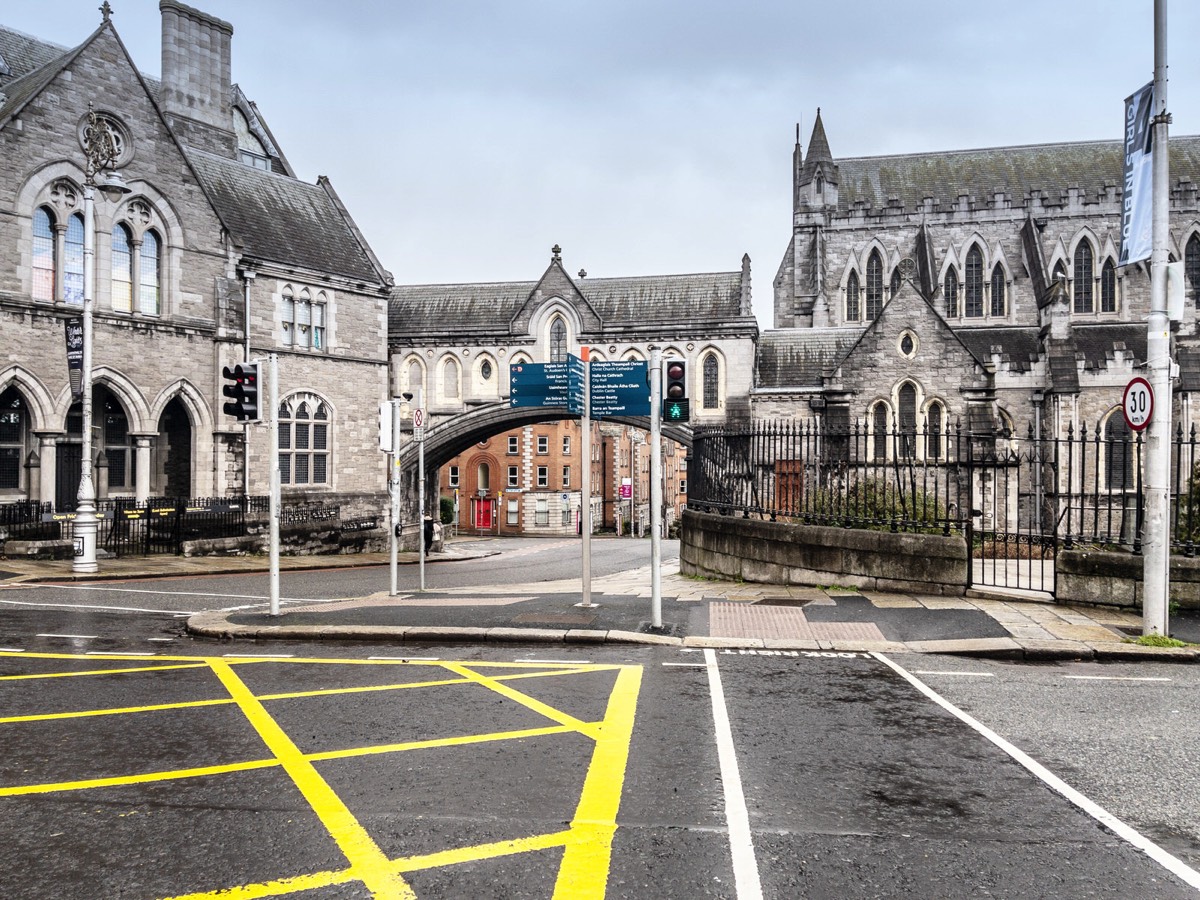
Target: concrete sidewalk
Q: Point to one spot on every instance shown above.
(696, 613)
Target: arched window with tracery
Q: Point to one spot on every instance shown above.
(950, 293)
(122, 269)
(73, 261)
(149, 275)
(1084, 274)
(853, 310)
(558, 341)
(44, 262)
(874, 285)
(711, 375)
(1191, 266)
(304, 441)
(973, 299)
(999, 306)
(1108, 287)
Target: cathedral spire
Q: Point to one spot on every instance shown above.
(818, 145)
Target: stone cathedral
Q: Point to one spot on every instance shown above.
(970, 286)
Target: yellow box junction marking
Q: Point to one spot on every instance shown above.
(586, 843)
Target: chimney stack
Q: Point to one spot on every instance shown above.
(196, 76)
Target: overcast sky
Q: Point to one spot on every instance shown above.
(644, 136)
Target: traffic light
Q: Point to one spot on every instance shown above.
(245, 404)
(676, 407)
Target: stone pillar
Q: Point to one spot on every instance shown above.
(48, 473)
(142, 444)
(33, 476)
(101, 468)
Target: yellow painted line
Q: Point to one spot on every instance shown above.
(525, 700)
(118, 711)
(586, 859)
(482, 852)
(279, 888)
(368, 862)
(145, 778)
(34, 676)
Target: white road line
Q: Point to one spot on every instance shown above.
(1112, 678)
(687, 665)
(12, 649)
(162, 640)
(1172, 864)
(741, 842)
(970, 674)
(115, 653)
(258, 655)
(81, 637)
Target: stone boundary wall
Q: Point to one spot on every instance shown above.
(776, 553)
(1105, 578)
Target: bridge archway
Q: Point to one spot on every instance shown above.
(450, 437)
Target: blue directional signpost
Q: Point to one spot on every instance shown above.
(620, 388)
(548, 384)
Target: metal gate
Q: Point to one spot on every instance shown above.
(128, 528)
(1011, 525)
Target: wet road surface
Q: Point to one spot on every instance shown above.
(199, 769)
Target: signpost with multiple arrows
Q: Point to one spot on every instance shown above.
(620, 388)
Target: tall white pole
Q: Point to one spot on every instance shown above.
(394, 488)
(656, 487)
(276, 502)
(1156, 533)
(585, 484)
(421, 480)
(85, 510)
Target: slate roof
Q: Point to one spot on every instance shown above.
(1098, 343)
(1052, 168)
(23, 53)
(1018, 346)
(797, 358)
(427, 309)
(283, 220)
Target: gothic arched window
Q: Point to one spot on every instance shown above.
(853, 312)
(149, 276)
(973, 299)
(1084, 273)
(950, 293)
(908, 419)
(879, 425)
(14, 433)
(934, 420)
(1108, 287)
(122, 269)
(44, 260)
(558, 341)
(303, 441)
(1119, 453)
(874, 285)
(711, 371)
(450, 379)
(999, 307)
(73, 261)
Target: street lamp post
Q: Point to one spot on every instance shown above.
(100, 153)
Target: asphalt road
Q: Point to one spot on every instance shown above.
(139, 762)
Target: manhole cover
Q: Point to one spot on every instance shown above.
(576, 620)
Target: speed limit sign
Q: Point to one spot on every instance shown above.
(1138, 404)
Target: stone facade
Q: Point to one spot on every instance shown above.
(1001, 266)
(215, 221)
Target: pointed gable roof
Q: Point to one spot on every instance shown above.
(33, 65)
(555, 282)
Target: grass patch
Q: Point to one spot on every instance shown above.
(1157, 640)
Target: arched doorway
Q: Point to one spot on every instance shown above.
(110, 435)
(173, 470)
(14, 442)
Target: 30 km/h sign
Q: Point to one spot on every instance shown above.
(1138, 404)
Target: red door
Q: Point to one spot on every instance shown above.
(483, 515)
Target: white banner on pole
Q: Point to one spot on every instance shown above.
(1136, 208)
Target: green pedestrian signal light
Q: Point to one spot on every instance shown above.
(676, 410)
(245, 403)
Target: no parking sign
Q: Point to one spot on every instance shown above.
(1138, 404)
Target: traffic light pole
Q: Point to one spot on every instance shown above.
(394, 488)
(656, 487)
(421, 481)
